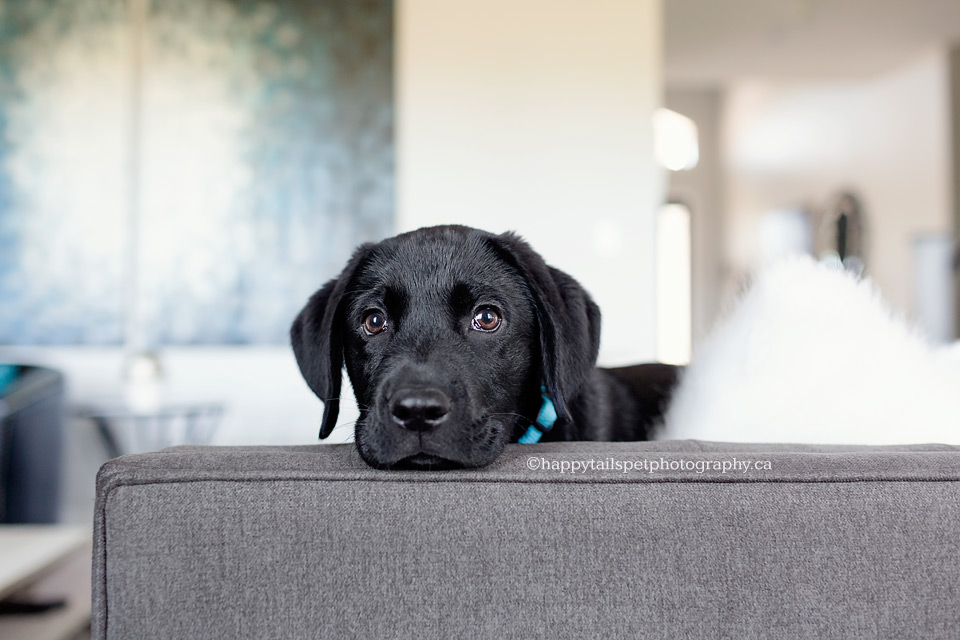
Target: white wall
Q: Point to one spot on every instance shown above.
(887, 137)
(535, 116)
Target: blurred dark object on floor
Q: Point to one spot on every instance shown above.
(31, 443)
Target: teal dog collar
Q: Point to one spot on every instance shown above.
(545, 420)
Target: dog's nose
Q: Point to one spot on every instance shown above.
(420, 409)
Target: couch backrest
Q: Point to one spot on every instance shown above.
(659, 539)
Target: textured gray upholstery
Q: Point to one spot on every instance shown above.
(308, 542)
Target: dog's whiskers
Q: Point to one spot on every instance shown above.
(349, 425)
(484, 438)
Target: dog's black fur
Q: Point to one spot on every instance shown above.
(436, 390)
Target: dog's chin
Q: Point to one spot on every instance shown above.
(402, 455)
(423, 462)
(427, 456)
(383, 447)
(427, 462)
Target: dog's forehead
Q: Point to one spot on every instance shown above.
(431, 263)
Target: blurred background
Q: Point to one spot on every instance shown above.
(177, 177)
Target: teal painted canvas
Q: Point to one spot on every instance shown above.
(193, 169)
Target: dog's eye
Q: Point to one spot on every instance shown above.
(374, 323)
(486, 319)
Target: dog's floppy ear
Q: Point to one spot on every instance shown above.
(318, 341)
(569, 320)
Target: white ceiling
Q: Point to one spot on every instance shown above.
(713, 42)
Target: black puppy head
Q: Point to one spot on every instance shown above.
(447, 334)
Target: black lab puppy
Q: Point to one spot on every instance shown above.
(458, 341)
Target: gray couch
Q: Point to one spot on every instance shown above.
(308, 542)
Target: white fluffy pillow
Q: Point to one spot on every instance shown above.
(813, 355)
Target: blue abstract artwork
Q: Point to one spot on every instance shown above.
(188, 170)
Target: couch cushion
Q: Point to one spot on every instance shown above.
(663, 539)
